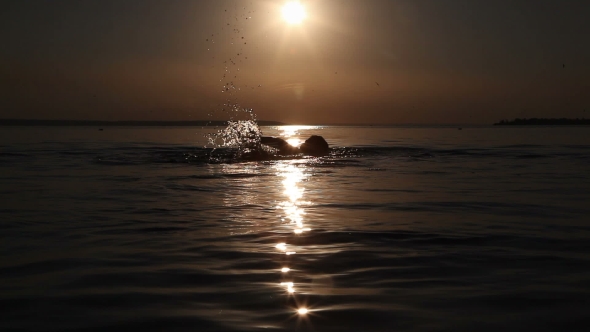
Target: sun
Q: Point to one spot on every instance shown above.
(294, 12)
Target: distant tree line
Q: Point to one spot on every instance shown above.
(543, 122)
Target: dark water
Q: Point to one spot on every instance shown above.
(398, 229)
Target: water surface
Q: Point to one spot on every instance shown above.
(398, 229)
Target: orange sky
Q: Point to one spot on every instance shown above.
(349, 62)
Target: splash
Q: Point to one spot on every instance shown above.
(239, 141)
(241, 134)
(241, 137)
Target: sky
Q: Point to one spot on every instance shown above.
(347, 62)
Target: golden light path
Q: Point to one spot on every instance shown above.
(293, 174)
(292, 206)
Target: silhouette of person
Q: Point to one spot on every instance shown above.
(314, 146)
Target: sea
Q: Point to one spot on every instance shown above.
(398, 228)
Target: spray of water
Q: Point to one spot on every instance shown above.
(239, 133)
(242, 132)
(240, 139)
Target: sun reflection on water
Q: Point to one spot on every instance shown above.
(292, 207)
(296, 142)
(293, 176)
(290, 131)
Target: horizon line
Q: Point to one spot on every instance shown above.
(77, 122)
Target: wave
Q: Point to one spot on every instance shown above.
(133, 154)
(339, 154)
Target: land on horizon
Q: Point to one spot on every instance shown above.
(544, 122)
(189, 123)
(202, 123)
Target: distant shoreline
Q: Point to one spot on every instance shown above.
(19, 122)
(544, 122)
(203, 123)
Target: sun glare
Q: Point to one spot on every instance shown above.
(293, 12)
(296, 142)
(302, 311)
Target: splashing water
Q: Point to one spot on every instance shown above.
(243, 134)
(241, 138)
(240, 134)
